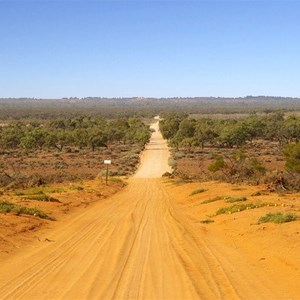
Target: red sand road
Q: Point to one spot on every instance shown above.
(135, 245)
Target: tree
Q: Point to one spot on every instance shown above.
(237, 166)
(234, 135)
(169, 128)
(58, 139)
(292, 156)
(97, 138)
(11, 137)
(204, 133)
(290, 130)
(35, 138)
(117, 129)
(188, 143)
(170, 125)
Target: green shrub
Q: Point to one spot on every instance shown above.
(39, 191)
(172, 162)
(292, 156)
(277, 218)
(198, 191)
(233, 199)
(7, 207)
(212, 200)
(207, 221)
(38, 194)
(240, 207)
(260, 193)
(76, 187)
(41, 197)
(117, 180)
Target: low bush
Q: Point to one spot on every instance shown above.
(207, 221)
(41, 197)
(117, 180)
(212, 200)
(76, 188)
(39, 194)
(198, 191)
(7, 207)
(240, 207)
(277, 218)
(260, 193)
(233, 199)
(39, 190)
(172, 162)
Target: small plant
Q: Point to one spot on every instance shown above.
(212, 200)
(39, 191)
(181, 181)
(260, 193)
(198, 191)
(7, 207)
(292, 156)
(278, 218)
(207, 221)
(233, 199)
(240, 207)
(38, 194)
(41, 197)
(172, 162)
(117, 180)
(76, 188)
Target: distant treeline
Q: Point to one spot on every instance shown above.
(182, 131)
(187, 135)
(79, 132)
(29, 108)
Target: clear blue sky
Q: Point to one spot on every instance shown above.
(149, 48)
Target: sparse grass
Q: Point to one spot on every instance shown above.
(212, 200)
(41, 197)
(260, 193)
(76, 188)
(181, 181)
(117, 180)
(39, 191)
(90, 191)
(207, 221)
(240, 207)
(198, 191)
(39, 194)
(234, 199)
(7, 207)
(278, 218)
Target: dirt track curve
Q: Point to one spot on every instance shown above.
(134, 245)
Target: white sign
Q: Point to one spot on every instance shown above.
(107, 162)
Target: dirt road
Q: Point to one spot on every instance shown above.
(134, 245)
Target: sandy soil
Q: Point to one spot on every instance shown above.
(146, 242)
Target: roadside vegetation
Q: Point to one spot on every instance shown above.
(8, 207)
(35, 152)
(235, 199)
(278, 218)
(258, 148)
(241, 207)
(198, 191)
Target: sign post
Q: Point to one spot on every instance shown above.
(107, 162)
